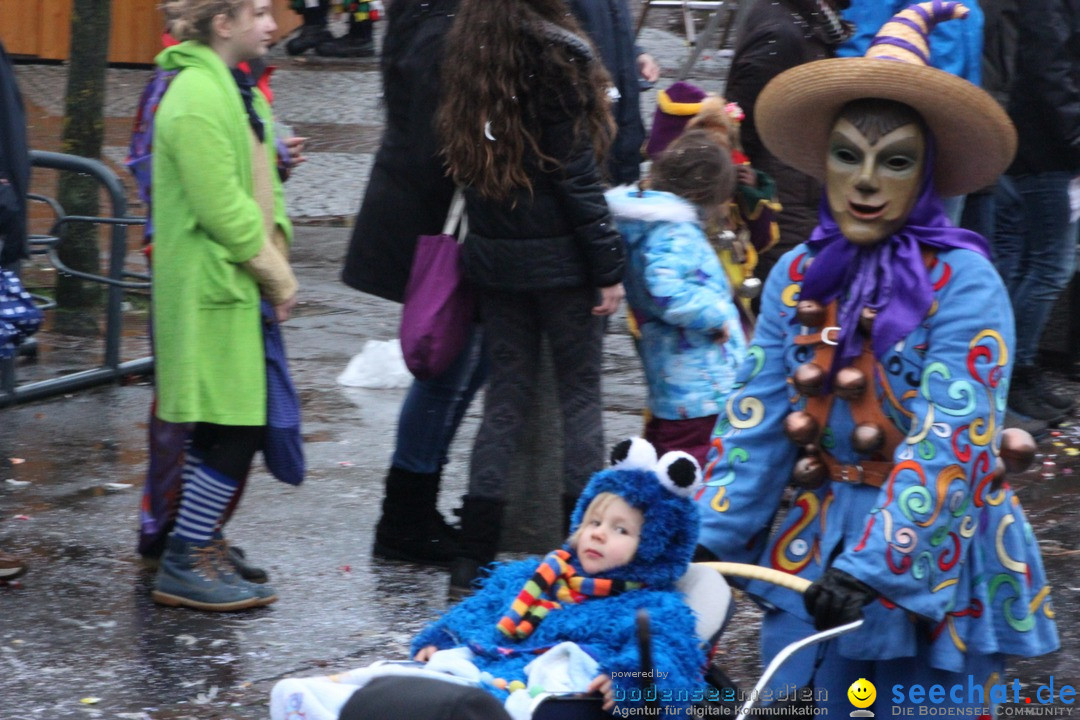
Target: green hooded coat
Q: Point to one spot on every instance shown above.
(207, 326)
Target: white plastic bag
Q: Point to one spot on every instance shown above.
(379, 365)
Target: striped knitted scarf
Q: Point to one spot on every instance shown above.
(554, 583)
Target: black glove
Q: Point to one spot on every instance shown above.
(703, 554)
(836, 598)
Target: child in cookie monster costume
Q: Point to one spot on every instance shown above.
(637, 513)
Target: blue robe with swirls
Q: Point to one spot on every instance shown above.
(948, 556)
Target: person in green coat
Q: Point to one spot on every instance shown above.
(221, 244)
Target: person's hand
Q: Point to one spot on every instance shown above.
(283, 310)
(745, 175)
(648, 68)
(295, 146)
(425, 653)
(602, 684)
(610, 297)
(836, 598)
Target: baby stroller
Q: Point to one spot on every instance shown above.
(708, 595)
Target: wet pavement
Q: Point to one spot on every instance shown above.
(79, 636)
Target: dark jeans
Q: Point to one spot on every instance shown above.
(513, 326)
(433, 410)
(1034, 249)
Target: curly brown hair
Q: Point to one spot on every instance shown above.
(191, 19)
(499, 64)
(696, 167)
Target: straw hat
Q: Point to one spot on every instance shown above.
(975, 139)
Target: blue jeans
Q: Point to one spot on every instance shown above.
(433, 410)
(1034, 250)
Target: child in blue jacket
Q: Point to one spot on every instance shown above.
(692, 341)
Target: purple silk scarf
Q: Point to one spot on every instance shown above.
(889, 276)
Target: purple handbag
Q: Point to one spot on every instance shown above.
(439, 305)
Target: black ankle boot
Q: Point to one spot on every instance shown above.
(1028, 397)
(310, 37)
(411, 527)
(481, 526)
(358, 42)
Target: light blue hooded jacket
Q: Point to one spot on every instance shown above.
(681, 299)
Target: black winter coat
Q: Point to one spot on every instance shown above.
(408, 193)
(778, 36)
(561, 235)
(999, 48)
(610, 26)
(1045, 99)
(14, 166)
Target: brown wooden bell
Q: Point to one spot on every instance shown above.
(809, 379)
(1017, 450)
(867, 438)
(850, 383)
(866, 320)
(801, 427)
(810, 313)
(809, 472)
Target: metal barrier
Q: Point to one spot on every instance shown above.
(118, 280)
(727, 10)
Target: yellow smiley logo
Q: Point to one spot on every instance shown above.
(862, 693)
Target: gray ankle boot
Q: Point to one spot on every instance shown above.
(200, 576)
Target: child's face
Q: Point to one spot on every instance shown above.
(608, 539)
(251, 30)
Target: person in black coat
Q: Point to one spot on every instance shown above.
(778, 35)
(524, 123)
(14, 167)
(409, 195)
(610, 27)
(1034, 243)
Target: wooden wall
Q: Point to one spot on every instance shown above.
(41, 28)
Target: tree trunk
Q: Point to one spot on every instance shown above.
(84, 130)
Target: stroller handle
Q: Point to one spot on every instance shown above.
(791, 582)
(756, 572)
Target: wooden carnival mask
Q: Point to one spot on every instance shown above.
(874, 169)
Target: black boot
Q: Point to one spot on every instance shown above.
(1038, 429)
(1028, 397)
(312, 33)
(1051, 396)
(569, 502)
(411, 527)
(481, 526)
(359, 42)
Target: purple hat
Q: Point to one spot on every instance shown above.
(674, 108)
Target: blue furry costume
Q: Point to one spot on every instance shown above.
(603, 627)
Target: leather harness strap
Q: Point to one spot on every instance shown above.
(864, 409)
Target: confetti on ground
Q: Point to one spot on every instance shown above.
(117, 486)
(17, 461)
(90, 700)
(21, 517)
(17, 483)
(345, 463)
